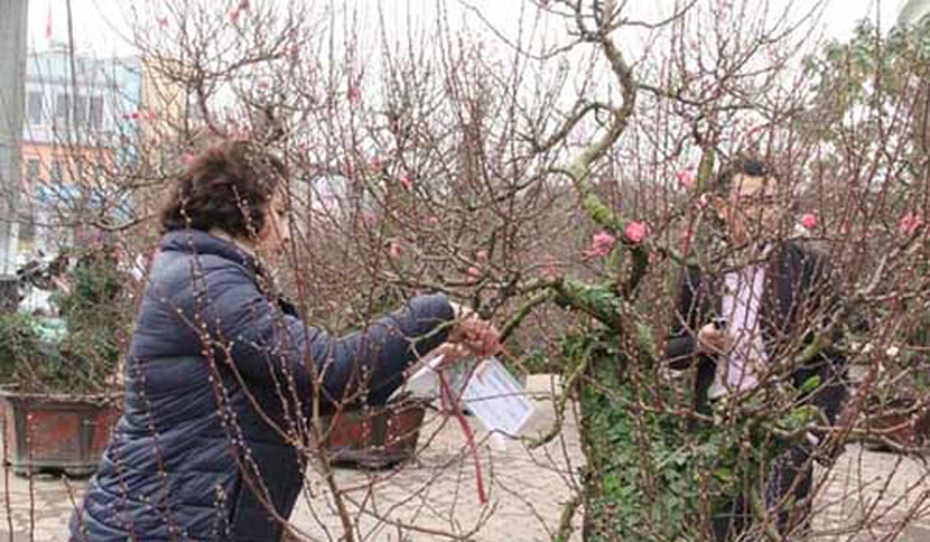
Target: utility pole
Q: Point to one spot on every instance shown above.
(13, 21)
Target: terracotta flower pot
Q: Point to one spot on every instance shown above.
(375, 437)
(56, 433)
(900, 425)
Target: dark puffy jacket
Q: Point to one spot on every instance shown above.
(220, 384)
(799, 283)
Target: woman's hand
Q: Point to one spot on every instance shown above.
(478, 336)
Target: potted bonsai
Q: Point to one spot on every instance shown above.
(372, 437)
(60, 405)
(900, 411)
(900, 417)
(375, 437)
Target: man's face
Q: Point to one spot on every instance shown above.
(752, 209)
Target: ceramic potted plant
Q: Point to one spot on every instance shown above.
(900, 417)
(372, 437)
(900, 411)
(59, 403)
(375, 437)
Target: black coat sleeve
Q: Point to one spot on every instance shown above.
(834, 363)
(830, 365)
(682, 343)
(270, 347)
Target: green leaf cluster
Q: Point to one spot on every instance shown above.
(82, 358)
(651, 474)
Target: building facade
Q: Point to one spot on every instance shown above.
(79, 136)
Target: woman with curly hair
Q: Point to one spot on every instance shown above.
(222, 377)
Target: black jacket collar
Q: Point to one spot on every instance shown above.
(200, 242)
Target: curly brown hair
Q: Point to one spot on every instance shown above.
(227, 187)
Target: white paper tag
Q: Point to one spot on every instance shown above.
(424, 383)
(497, 399)
(491, 393)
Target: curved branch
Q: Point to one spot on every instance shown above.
(524, 311)
(565, 522)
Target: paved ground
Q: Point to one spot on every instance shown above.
(436, 496)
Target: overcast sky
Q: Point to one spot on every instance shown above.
(99, 23)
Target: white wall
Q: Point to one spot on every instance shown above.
(13, 18)
(912, 10)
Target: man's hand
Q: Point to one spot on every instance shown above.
(712, 340)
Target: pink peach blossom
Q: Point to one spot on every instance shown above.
(395, 249)
(686, 178)
(910, 223)
(635, 232)
(809, 221)
(602, 243)
(354, 95)
(406, 181)
(473, 273)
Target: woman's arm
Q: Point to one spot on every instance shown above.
(269, 347)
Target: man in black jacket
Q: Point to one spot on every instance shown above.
(745, 322)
